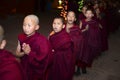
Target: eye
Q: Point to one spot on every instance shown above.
(29, 25)
(58, 23)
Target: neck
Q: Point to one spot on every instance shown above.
(31, 34)
(68, 26)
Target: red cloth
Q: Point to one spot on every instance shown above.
(78, 41)
(10, 69)
(63, 65)
(92, 41)
(35, 64)
(81, 16)
(104, 33)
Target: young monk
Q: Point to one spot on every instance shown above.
(76, 37)
(82, 14)
(10, 69)
(101, 18)
(92, 34)
(62, 68)
(33, 49)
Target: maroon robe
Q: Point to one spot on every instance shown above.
(104, 33)
(10, 69)
(78, 41)
(81, 16)
(35, 63)
(63, 67)
(92, 41)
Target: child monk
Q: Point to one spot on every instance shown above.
(33, 49)
(92, 34)
(75, 34)
(10, 69)
(82, 14)
(63, 68)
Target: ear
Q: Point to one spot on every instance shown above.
(37, 27)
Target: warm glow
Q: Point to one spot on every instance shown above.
(60, 4)
(64, 7)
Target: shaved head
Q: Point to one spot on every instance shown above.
(1, 33)
(34, 18)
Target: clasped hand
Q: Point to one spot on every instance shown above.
(26, 48)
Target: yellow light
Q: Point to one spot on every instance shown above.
(60, 4)
(63, 6)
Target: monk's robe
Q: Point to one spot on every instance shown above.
(92, 41)
(113, 19)
(81, 16)
(78, 43)
(35, 63)
(10, 69)
(104, 33)
(63, 67)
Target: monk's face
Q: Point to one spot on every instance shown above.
(84, 9)
(89, 14)
(71, 17)
(57, 25)
(96, 5)
(29, 26)
(97, 11)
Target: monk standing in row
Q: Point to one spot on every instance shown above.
(33, 49)
(10, 69)
(62, 68)
(78, 41)
(91, 30)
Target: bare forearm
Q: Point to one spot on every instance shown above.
(19, 54)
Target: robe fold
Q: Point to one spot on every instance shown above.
(104, 33)
(63, 67)
(35, 64)
(92, 41)
(78, 41)
(81, 16)
(10, 69)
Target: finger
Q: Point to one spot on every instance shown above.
(24, 44)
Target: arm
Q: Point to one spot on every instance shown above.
(100, 26)
(86, 28)
(80, 25)
(3, 44)
(18, 51)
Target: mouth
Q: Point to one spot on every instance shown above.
(26, 32)
(70, 20)
(55, 29)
